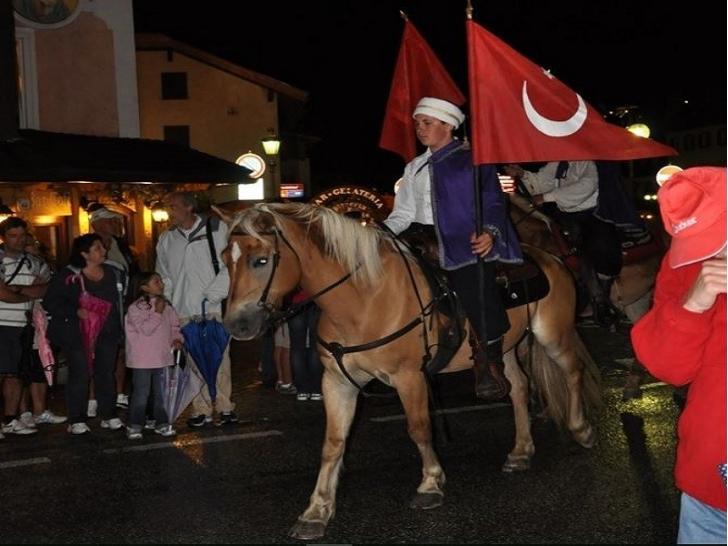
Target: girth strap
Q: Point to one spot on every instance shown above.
(338, 351)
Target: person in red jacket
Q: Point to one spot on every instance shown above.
(682, 340)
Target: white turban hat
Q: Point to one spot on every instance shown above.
(440, 109)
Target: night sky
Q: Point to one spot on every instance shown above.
(644, 53)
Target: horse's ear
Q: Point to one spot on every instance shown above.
(225, 216)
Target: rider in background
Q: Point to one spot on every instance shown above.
(682, 340)
(437, 192)
(573, 186)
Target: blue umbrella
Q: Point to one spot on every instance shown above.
(205, 341)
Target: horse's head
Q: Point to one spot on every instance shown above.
(263, 268)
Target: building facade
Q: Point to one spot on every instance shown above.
(193, 98)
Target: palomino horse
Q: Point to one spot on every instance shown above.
(631, 292)
(366, 293)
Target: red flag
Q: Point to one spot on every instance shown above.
(520, 113)
(418, 74)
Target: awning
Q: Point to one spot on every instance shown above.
(40, 156)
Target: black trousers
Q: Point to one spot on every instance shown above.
(598, 240)
(465, 282)
(104, 380)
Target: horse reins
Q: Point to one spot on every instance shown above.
(276, 315)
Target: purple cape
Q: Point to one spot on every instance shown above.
(451, 176)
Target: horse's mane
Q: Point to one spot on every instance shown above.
(338, 237)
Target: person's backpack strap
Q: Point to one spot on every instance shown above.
(119, 276)
(211, 243)
(22, 261)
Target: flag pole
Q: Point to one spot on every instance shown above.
(403, 15)
(478, 198)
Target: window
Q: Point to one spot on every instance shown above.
(177, 134)
(174, 85)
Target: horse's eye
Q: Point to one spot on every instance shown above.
(260, 262)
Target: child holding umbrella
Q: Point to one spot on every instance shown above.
(152, 332)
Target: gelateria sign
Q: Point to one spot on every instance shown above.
(349, 198)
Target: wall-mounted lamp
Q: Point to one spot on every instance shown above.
(5, 211)
(159, 213)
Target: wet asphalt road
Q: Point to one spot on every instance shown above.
(247, 483)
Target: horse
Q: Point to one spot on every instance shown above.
(631, 293)
(365, 283)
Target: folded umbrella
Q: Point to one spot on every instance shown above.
(98, 311)
(205, 341)
(180, 384)
(45, 353)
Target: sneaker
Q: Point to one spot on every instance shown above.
(199, 421)
(151, 424)
(302, 396)
(133, 433)
(93, 406)
(165, 430)
(228, 418)
(122, 401)
(49, 418)
(27, 419)
(78, 428)
(286, 388)
(317, 397)
(16, 427)
(112, 424)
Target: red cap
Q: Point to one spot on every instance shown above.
(693, 208)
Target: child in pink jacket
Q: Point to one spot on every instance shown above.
(152, 332)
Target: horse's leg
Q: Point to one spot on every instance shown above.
(412, 389)
(520, 457)
(340, 402)
(636, 372)
(565, 354)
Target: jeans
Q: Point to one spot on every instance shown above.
(104, 380)
(700, 523)
(305, 362)
(144, 382)
(268, 366)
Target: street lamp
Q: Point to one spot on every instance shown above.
(639, 129)
(271, 146)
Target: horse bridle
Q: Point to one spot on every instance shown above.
(275, 314)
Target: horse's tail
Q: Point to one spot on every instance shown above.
(550, 382)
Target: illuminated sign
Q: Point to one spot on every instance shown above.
(253, 162)
(353, 201)
(348, 194)
(664, 174)
(251, 192)
(292, 190)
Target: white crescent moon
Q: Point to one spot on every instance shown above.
(551, 127)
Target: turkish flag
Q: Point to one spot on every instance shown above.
(521, 113)
(418, 73)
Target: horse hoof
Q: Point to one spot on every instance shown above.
(307, 530)
(516, 463)
(427, 501)
(588, 439)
